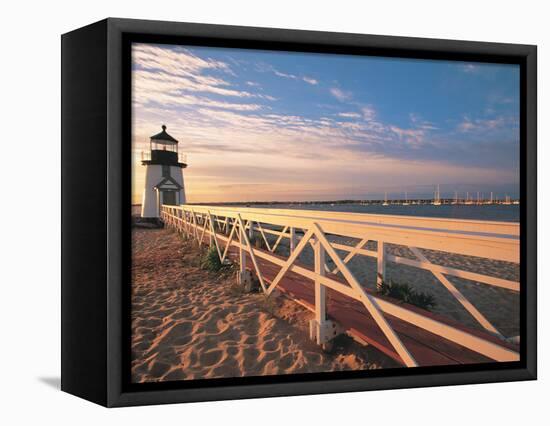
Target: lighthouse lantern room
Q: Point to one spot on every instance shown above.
(163, 175)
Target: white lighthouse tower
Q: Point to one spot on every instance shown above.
(163, 175)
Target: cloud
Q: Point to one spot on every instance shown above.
(284, 75)
(420, 123)
(160, 81)
(310, 80)
(263, 67)
(268, 97)
(470, 68)
(170, 74)
(481, 125)
(340, 94)
(369, 113)
(173, 60)
(349, 115)
(165, 100)
(413, 137)
(323, 149)
(175, 77)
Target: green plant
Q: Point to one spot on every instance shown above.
(407, 294)
(422, 300)
(210, 260)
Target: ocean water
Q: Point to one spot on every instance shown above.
(494, 212)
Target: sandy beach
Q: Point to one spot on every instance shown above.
(188, 323)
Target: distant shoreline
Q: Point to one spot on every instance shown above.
(491, 212)
(421, 201)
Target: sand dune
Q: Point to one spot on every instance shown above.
(191, 324)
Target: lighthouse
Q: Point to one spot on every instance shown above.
(163, 175)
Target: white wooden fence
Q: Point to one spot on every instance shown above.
(492, 240)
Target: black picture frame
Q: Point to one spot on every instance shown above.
(96, 222)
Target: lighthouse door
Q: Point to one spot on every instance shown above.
(169, 197)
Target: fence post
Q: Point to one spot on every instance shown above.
(183, 224)
(212, 228)
(242, 253)
(320, 289)
(321, 329)
(292, 239)
(250, 230)
(381, 257)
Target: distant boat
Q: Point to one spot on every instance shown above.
(406, 202)
(468, 200)
(385, 203)
(437, 198)
(507, 201)
(455, 201)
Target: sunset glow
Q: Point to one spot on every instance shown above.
(261, 126)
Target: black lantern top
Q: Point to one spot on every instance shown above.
(163, 150)
(163, 137)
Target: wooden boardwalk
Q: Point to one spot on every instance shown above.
(409, 335)
(428, 349)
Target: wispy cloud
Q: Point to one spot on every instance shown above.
(481, 124)
(163, 100)
(177, 77)
(420, 123)
(340, 94)
(349, 115)
(310, 80)
(470, 68)
(159, 81)
(263, 67)
(175, 60)
(369, 112)
(413, 137)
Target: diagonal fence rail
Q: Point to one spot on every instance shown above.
(233, 228)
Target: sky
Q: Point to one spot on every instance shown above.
(284, 126)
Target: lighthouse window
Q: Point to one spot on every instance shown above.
(165, 171)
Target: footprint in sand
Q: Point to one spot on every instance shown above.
(211, 357)
(269, 346)
(158, 369)
(177, 374)
(232, 350)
